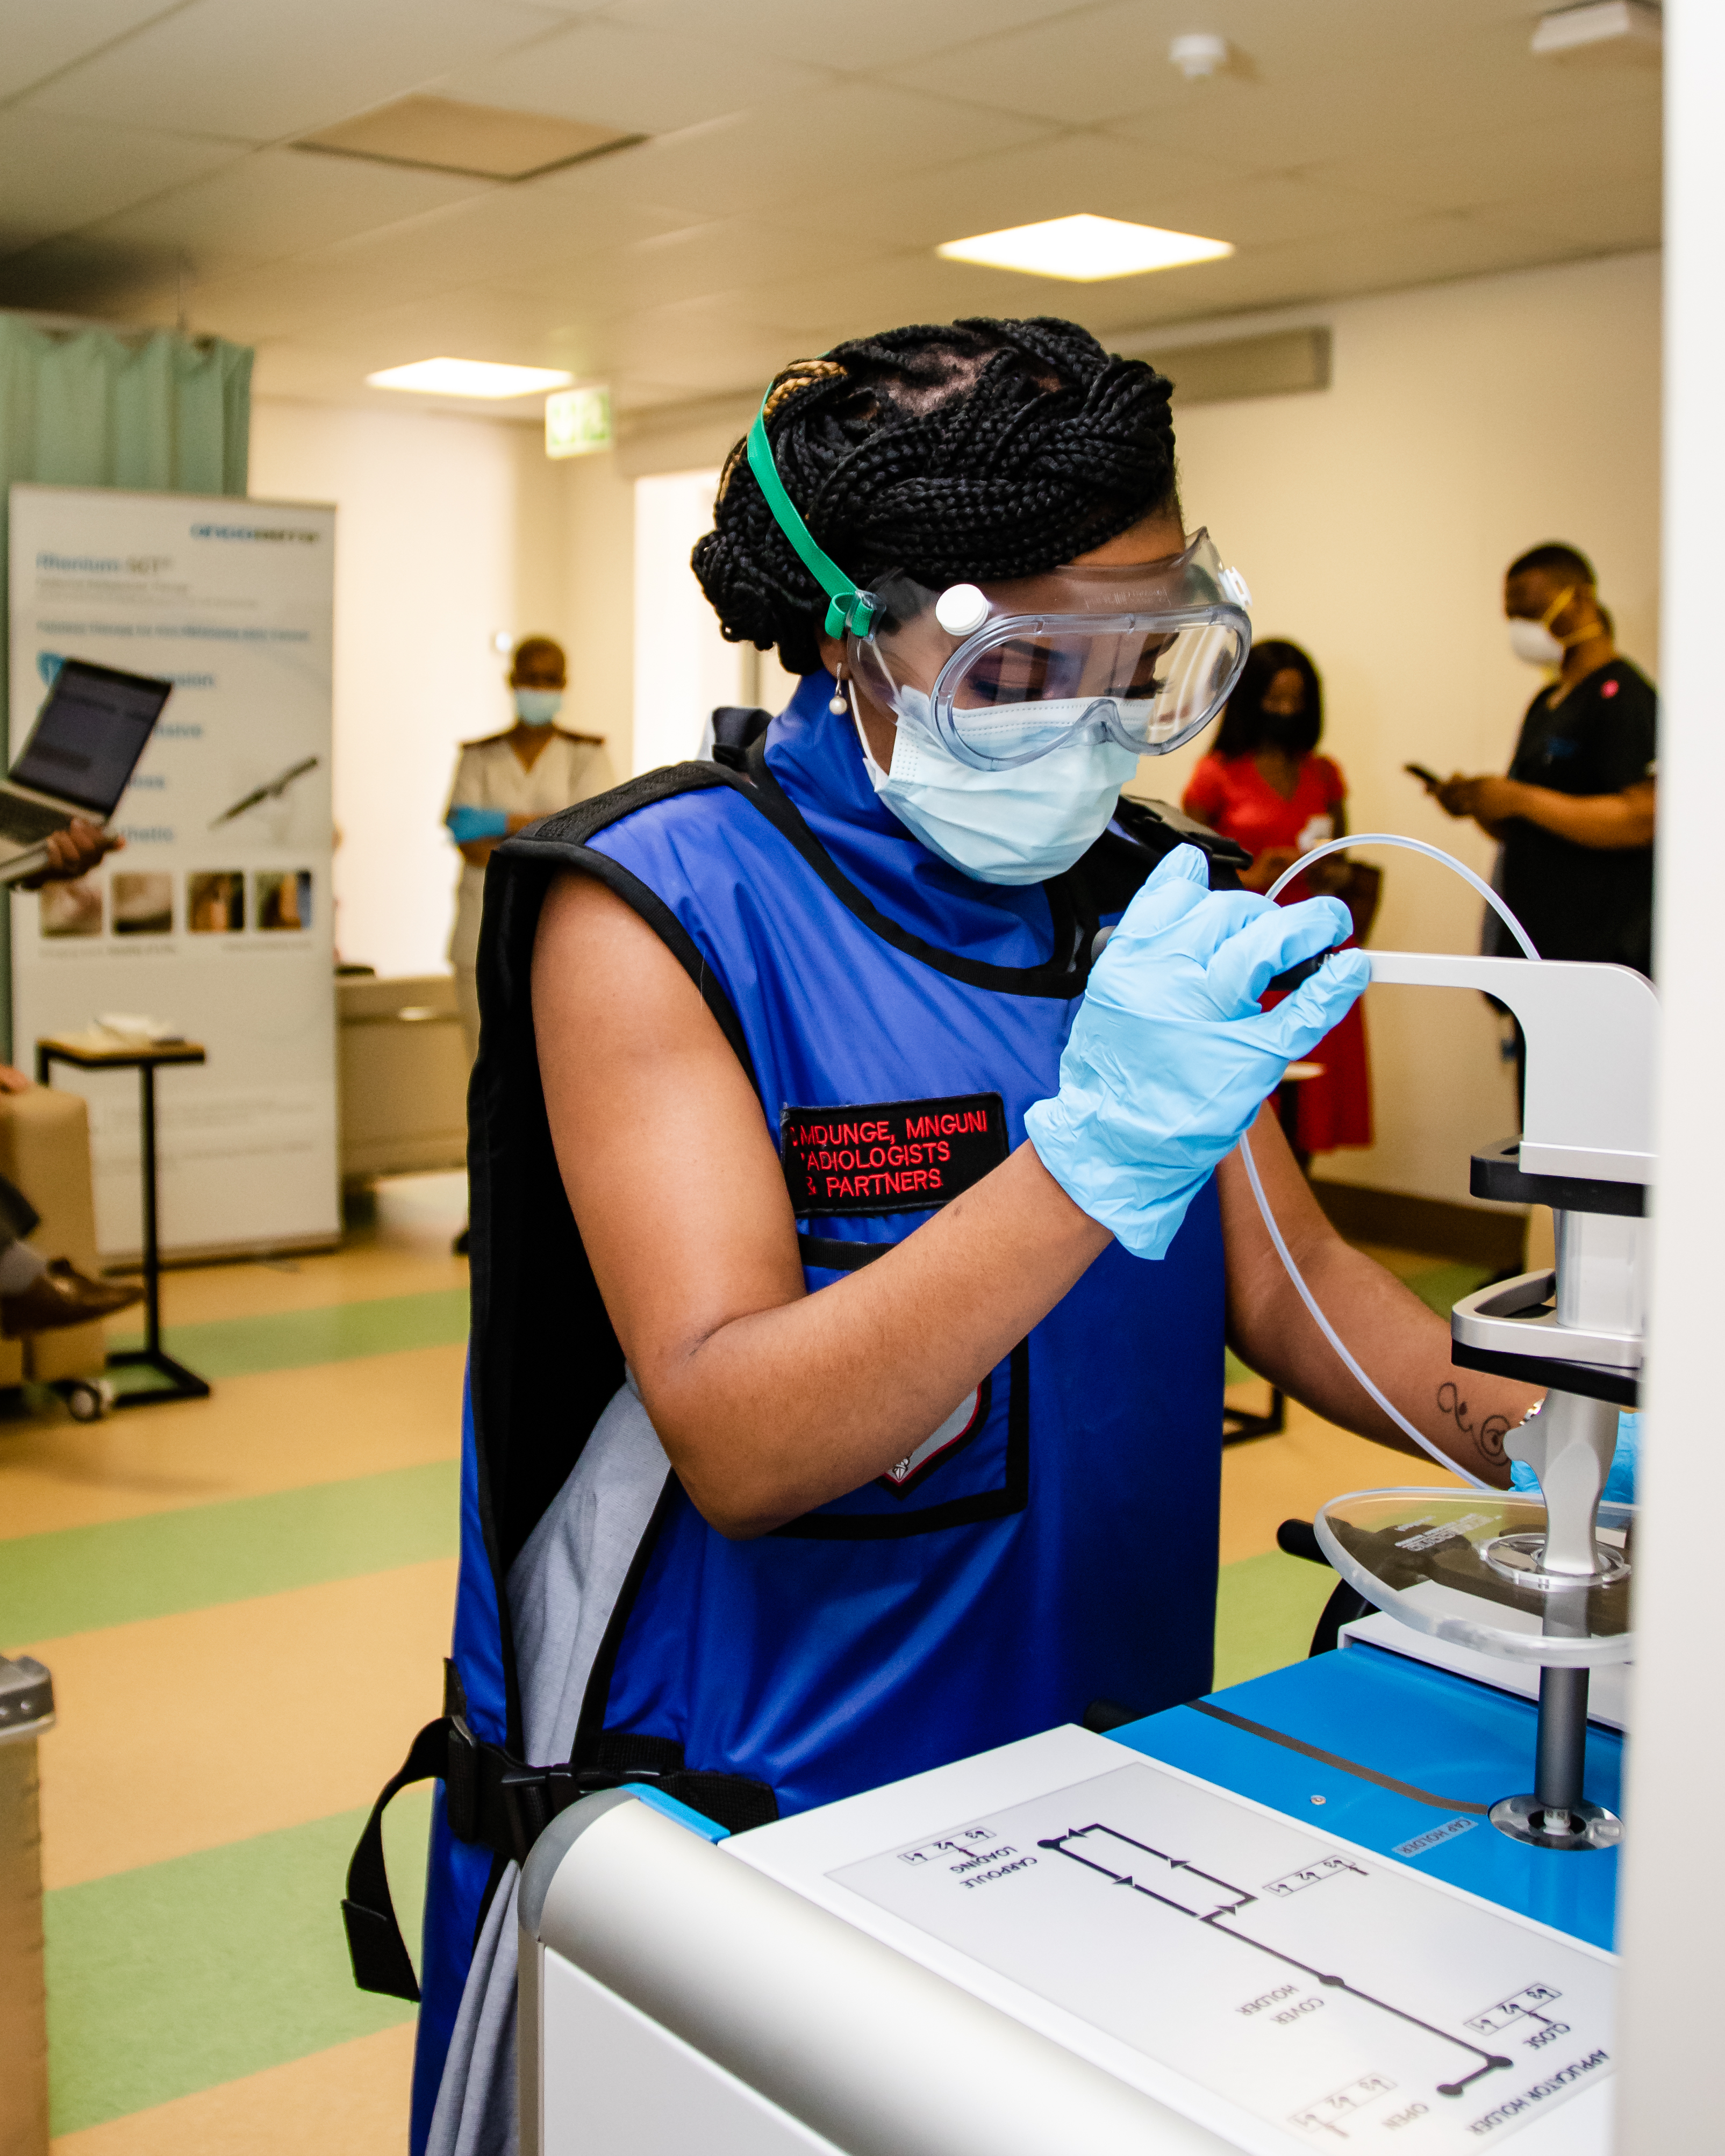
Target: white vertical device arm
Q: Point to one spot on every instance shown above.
(1592, 1036)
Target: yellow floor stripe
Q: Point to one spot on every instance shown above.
(1268, 1480)
(281, 1430)
(180, 1733)
(352, 2101)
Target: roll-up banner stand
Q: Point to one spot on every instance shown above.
(215, 916)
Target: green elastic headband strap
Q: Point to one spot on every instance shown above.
(849, 608)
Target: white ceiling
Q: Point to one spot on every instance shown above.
(805, 157)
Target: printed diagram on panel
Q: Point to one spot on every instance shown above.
(1341, 2000)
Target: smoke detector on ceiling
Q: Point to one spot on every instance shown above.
(1199, 55)
(1619, 26)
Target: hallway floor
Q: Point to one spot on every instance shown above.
(244, 1602)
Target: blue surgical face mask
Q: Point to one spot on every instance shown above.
(538, 707)
(1021, 825)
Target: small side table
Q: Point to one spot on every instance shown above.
(94, 1051)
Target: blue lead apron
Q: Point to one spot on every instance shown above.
(1054, 1543)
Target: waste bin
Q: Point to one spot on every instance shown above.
(26, 1711)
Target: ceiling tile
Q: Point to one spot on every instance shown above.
(1405, 97)
(235, 67)
(1059, 176)
(749, 163)
(484, 239)
(1579, 153)
(278, 203)
(44, 36)
(648, 82)
(56, 174)
(835, 33)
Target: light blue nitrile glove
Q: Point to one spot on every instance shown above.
(1170, 1056)
(1619, 1484)
(467, 824)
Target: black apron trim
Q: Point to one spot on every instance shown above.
(833, 1256)
(1069, 904)
(1013, 1496)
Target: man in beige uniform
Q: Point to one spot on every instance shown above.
(509, 780)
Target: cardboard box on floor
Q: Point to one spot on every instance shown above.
(44, 1149)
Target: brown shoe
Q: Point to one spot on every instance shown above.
(61, 1296)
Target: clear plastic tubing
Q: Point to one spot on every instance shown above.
(1283, 1251)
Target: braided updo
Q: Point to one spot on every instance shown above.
(970, 452)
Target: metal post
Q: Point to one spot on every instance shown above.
(153, 1258)
(26, 1711)
(1561, 1759)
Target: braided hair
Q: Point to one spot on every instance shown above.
(969, 452)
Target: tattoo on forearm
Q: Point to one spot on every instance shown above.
(1488, 1435)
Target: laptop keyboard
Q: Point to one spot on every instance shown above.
(26, 823)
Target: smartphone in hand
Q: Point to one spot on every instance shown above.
(1429, 779)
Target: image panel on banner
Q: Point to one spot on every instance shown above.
(215, 916)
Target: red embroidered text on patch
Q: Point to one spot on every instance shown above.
(890, 1156)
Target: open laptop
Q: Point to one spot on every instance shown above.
(79, 760)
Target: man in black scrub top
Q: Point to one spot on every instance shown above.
(1575, 813)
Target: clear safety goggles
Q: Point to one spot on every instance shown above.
(1142, 654)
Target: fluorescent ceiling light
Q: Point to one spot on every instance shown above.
(469, 377)
(1084, 248)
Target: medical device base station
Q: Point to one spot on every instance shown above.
(1275, 1920)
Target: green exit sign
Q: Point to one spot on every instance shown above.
(577, 422)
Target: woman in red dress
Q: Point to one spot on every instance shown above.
(1265, 784)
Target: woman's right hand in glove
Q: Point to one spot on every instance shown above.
(1170, 1056)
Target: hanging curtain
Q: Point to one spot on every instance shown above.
(150, 411)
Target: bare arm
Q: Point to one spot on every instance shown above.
(1606, 822)
(768, 1400)
(1403, 1346)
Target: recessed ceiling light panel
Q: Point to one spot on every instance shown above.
(469, 378)
(1085, 249)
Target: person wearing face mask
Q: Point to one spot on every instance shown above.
(1264, 786)
(505, 782)
(853, 1247)
(1575, 814)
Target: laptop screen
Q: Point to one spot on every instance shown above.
(90, 734)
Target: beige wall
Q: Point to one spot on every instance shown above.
(1373, 520)
(451, 532)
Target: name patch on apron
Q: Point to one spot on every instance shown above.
(890, 1156)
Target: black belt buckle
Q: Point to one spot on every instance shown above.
(461, 1781)
(531, 1798)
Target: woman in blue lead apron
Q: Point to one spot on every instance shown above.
(853, 1253)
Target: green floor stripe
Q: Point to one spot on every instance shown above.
(292, 1339)
(79, 1578)
(177, 1976)
(1266, 1610)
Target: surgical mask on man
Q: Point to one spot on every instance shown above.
(1021, 825)
(1533, 643)
(538, 707)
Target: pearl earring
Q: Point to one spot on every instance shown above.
(839, 703)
